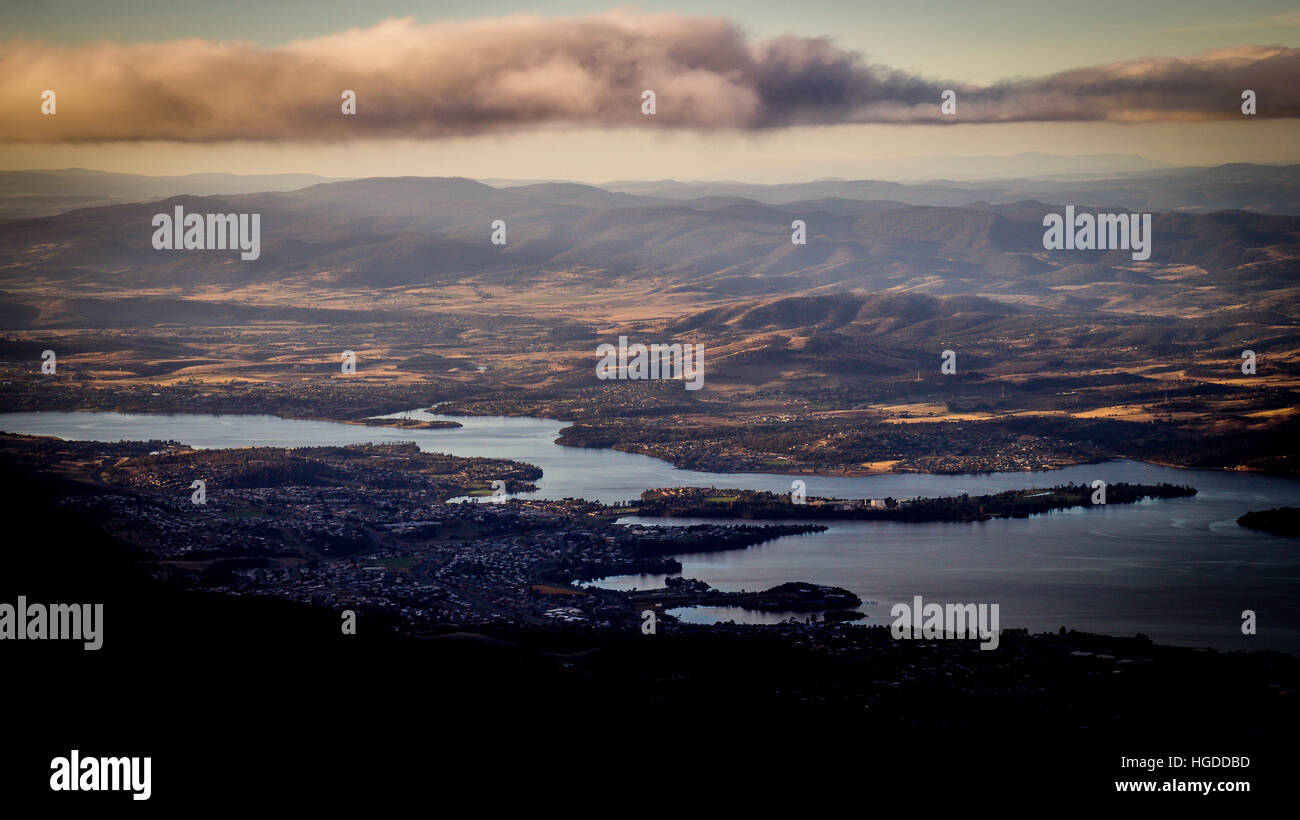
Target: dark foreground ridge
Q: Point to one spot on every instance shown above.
(205, 683)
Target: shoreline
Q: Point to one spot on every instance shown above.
(672, 552)
(850, 473)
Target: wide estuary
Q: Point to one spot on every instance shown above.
(1180, 571)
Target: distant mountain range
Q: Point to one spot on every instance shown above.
(1262, 188)
(1026, 165)
(42, 193)
(405, 232)
(1139, 184)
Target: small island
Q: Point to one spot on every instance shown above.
(795, 596)
(409, 424)
(1280, 521)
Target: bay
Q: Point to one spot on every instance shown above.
(1180, 571)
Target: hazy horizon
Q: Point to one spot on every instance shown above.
(1103, 164)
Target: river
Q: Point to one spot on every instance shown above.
(1180, 571)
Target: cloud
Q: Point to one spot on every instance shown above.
(443, 80)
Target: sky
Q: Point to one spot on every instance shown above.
(756, 91)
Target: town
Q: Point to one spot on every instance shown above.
(382, 529)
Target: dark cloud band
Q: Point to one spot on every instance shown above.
(460, 79)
